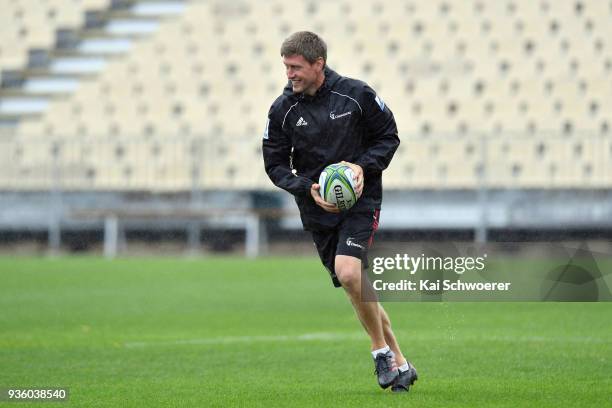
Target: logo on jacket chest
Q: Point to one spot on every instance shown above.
(333, 115)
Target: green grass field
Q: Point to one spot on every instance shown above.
(272, 333)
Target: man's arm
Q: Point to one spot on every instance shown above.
(381, 138)
(276, 153)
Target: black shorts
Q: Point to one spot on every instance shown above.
(352, 237)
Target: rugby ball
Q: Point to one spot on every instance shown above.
(337, 186)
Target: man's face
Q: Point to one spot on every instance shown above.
(303, 75)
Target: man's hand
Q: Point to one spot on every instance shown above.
(314, 192)
(357, 178)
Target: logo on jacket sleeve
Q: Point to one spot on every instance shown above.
(265, 135)
(380, 102)
(301, 122)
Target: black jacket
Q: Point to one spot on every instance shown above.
(344, 120)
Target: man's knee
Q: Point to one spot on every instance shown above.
(348, 270)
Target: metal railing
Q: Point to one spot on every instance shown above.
(203, 162)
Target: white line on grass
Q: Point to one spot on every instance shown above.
(249, 339)
(362, 336)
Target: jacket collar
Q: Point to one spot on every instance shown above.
(331, 77)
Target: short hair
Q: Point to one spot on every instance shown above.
(305, 43)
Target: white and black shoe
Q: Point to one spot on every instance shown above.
(405, 379)
(386, 369)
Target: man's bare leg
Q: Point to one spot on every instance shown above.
(388, 334)
(348, 271)
(390, 337)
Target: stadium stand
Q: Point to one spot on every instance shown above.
(25, 27)
(514, 94)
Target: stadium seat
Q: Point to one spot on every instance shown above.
(25, 27)
(522, 74)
